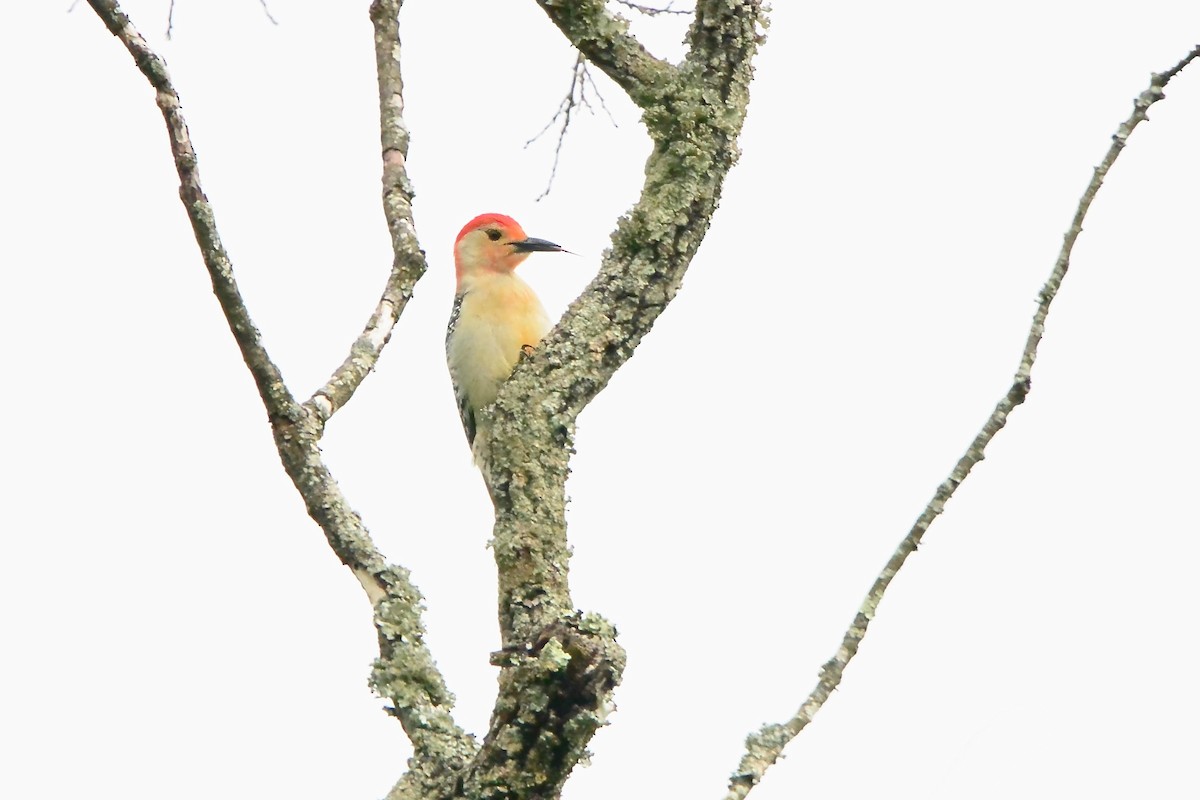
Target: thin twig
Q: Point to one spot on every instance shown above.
(576, 96)
(266, 11)
(653, 11)
(766, 745)
(171, 15)
(587, 76)
(408, 259)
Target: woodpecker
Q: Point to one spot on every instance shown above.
(495, 316)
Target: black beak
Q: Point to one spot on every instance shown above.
(536, 246)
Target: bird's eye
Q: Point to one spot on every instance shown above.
(493, 234)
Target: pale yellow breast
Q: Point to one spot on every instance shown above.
(500, 314)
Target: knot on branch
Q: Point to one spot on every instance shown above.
(571, 667)
(555, 692)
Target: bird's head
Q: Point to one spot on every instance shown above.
(495, 243)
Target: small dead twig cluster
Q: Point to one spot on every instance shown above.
(577, 95)
(171, 15)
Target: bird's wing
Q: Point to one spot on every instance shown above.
(464, 408)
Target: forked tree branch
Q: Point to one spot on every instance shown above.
(405, 671)
(694, 128)
(559, 666)
(765, 746)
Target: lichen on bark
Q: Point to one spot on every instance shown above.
(694, 112)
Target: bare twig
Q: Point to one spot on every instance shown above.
(765, 746)
(171, 15)
(587, 76)
(267, 11)
(653, 11)
(408, 260)
(577, 95)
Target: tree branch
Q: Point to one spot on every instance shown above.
(275, 395)
(408, 262)
(605, 41)
(766, 745)
(405, 671)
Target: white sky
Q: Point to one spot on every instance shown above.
(175, 625)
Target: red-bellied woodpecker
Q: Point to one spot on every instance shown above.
(495, 316)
